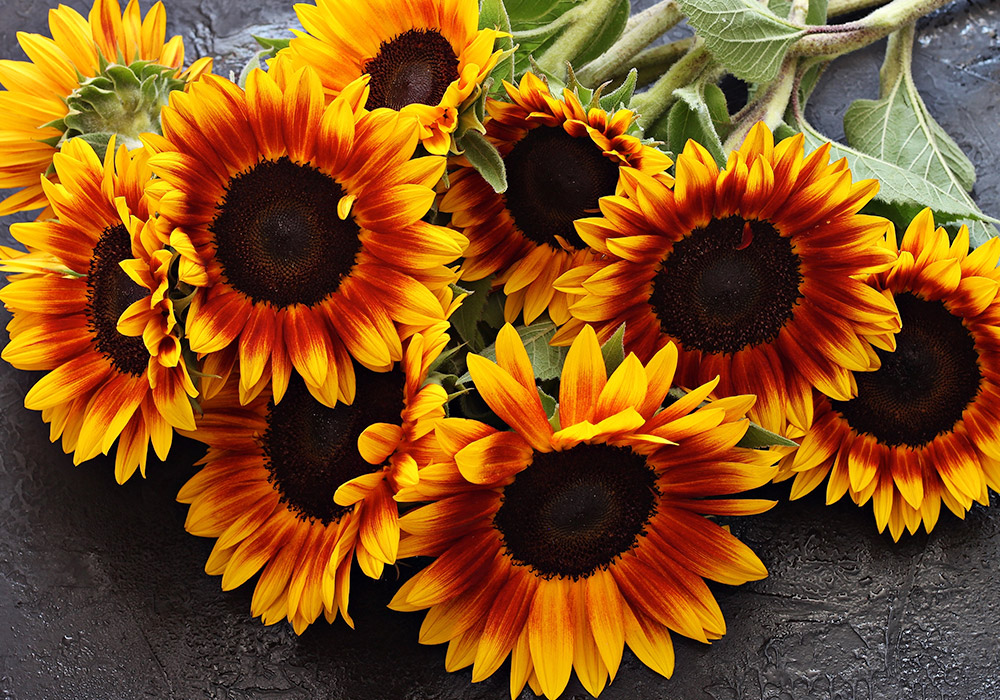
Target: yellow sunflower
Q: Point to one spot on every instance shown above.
(300, 490)
(751, 271)
(925, 427)
(97, 316)
(558, 546)
(426, 58)
(62, 91)
(306, 223)
(560, 160)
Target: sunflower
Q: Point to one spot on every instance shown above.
(560, 546)
(751, 271)
(560, 160)
(925, 427)
(306, 224)
(96, 314)
(75, 83)
(426, 58)
(300, 490)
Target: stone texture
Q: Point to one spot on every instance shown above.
(103, 596)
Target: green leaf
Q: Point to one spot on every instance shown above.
(611, 29)
(622, 96)
(548, 403)
(465, 320)
(899, 186)
(898, 129)
(493, 15)
(540, 11)
(613, 350)
(547, 361)
(815, 15)
(757, 437)
(690, 118)
(484, 157)
(817, 12)
(743, 35)
(493, 313)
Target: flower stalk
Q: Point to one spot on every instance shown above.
(642, 29)
(654, 103)
(835, 40)
(574, 39)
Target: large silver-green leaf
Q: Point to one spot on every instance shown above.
(897, 128)
(743, 35)
(902, 187)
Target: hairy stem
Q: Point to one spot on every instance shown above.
(835, 40)
(641, 30)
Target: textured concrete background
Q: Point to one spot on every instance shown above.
(103, 596)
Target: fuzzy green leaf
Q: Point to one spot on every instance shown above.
(743, 35)
(493, 15)
(691, 118)
(484, 157)
(622, 96)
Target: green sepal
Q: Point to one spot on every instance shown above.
(621, 97)
(757, 437)
(613, 350)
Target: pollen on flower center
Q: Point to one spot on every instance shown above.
(311, 449)
(553, 179)
(921, 389)
(278, 236)
(109, 292)
(727, 286)
(415, 67)
(570, 513)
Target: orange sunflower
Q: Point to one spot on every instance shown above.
(560, 160)
(426, 58)
(300, 490)
(751, 271)
(558, 546)
(925, 427)
(97, 316)
(74, 84)
(305, 222)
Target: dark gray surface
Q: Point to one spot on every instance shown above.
(102, 593)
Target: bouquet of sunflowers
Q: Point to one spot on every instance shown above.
(508, 287)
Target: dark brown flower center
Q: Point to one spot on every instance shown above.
(570, 513)
(278, 236)
(311, 449)
(109, 292)
(554, 179)
(922, 389)
(416, 66)
(727, 286)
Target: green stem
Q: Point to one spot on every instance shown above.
(835, 40)
(641, 30)
(574, 39)
(655, 102)
(768, 106)
(654, 61)
(836, 8)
